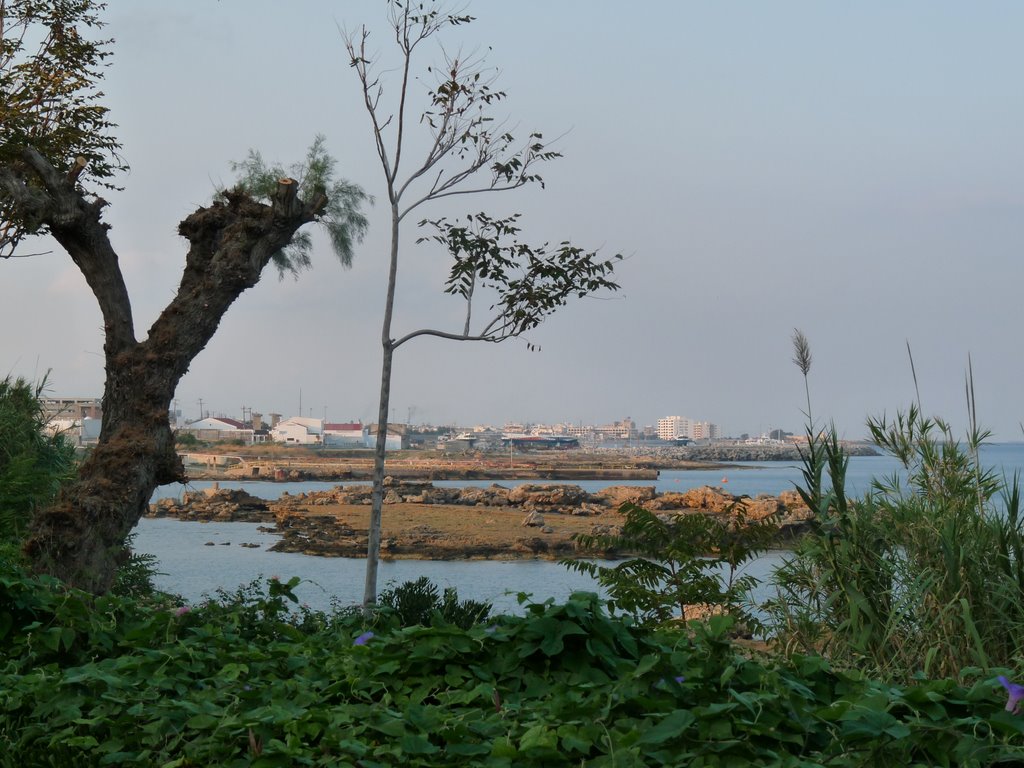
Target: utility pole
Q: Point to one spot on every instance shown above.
(201, 417)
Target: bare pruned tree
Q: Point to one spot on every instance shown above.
(55, 152)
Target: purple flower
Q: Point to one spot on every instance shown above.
(677, 678)
(1015, 693)
(182, 610)
(363, 639)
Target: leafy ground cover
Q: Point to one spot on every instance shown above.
(243, 681)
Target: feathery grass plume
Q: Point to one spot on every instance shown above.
(802, 358)
(801, 351)
(925, 572)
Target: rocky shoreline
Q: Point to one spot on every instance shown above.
(425, 522)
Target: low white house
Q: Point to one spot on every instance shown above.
(299, 431)
(345, 435)
(220, 428)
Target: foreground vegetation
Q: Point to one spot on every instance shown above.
(895, 641)
(243, 682)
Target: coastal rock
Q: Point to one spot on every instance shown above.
(533, 520)
(563, 496)
(668, 500)
(214, 504)
(708, 499)
(791, 500)
(602, 529)
(762, 507)
(532, 546)
(493, 496)
(617, 495)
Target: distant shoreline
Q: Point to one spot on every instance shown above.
(643, 463)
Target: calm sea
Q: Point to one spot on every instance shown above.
(198, 558)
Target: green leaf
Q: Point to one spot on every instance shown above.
(417, 744)
(670, 727)
(202, 722)
(539, 736)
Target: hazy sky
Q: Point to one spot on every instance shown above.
(854, 170)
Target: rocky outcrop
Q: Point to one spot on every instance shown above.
(617, 495)
(303, 528)
(214, 504)
(239, 506)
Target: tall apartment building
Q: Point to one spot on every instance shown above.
(671, 427)
(704, 430)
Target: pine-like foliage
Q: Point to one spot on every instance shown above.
(342, 220)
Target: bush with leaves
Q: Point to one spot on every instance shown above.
(51, 62)
(683, 560)
(419, 602)
(34, 460)
(924, 573)
(114, 681)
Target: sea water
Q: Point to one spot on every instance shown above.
(196, 559)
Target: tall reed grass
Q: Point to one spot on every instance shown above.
(924, 574)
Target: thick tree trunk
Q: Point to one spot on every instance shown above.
(81, 537)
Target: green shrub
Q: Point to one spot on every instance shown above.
(922, 574)
(683, 560)
(33, 461)
(419, 602)
(89, 681)
(135, 576)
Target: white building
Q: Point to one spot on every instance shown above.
(347, 435)
(671, 427)
(299, 431)
(83, 431)
(220, 428)
(624, 429)
(705, 430)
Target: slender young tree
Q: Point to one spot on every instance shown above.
(466, 152)
(56, 151)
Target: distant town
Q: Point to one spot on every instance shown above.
(80, 420)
